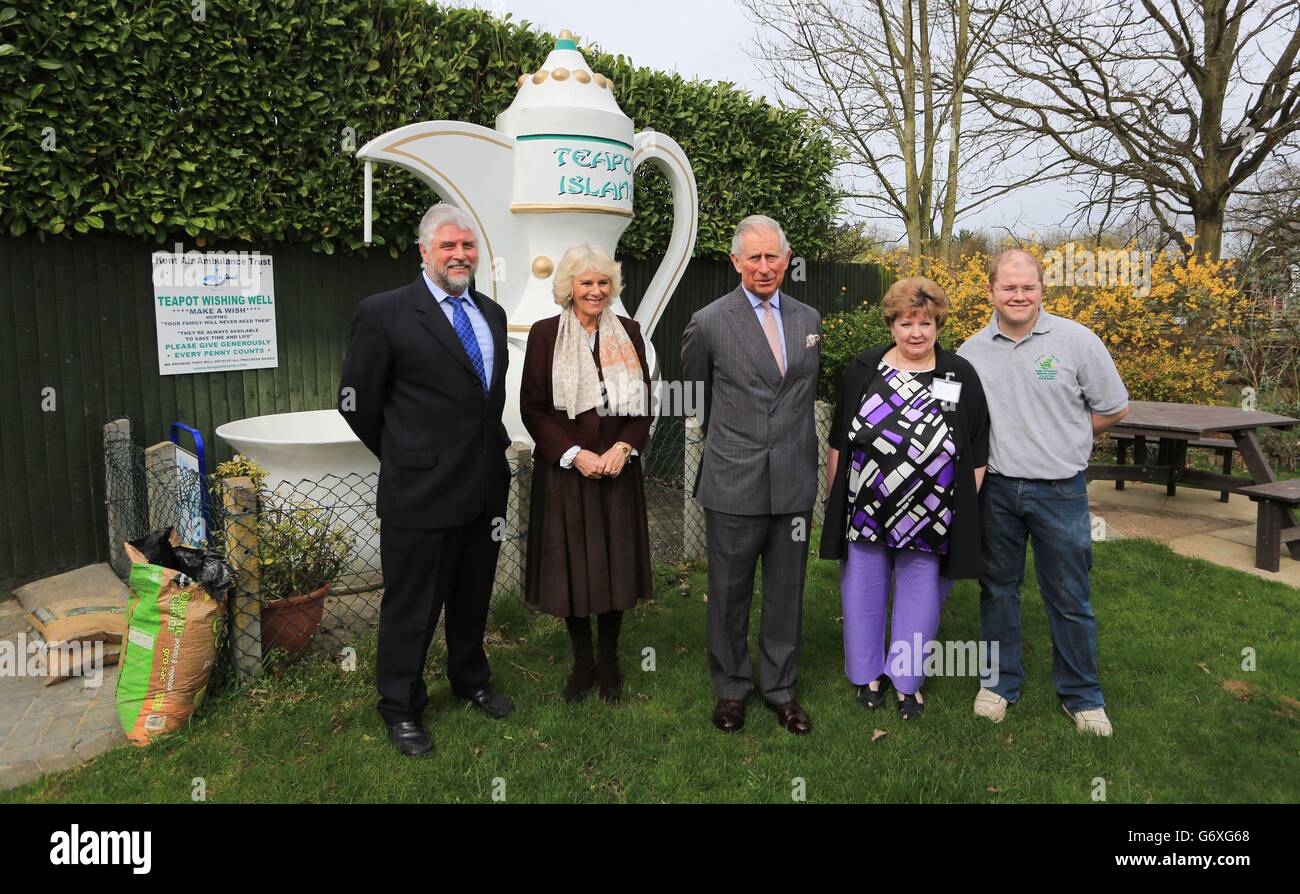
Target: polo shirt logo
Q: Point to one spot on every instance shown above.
(1047, 366)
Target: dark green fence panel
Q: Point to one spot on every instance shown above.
(76, 315)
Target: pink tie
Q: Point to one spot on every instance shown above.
(773, 337)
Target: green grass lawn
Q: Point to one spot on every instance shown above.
(1191, 725)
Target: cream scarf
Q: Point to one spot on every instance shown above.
(575, 385)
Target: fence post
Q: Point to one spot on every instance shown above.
(239, 497)
(694, 545)
(514, 532)
(822, 412)
(119, 492)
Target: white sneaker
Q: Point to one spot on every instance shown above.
(1091, 720)
(990, 705)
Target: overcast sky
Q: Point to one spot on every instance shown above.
(708, 40)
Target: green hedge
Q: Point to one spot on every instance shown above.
(845, 335)
(133, 118)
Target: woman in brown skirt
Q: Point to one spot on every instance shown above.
(585, 399)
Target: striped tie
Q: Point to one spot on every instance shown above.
(460, 321)
(773, 337)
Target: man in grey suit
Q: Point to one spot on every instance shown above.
(757, 352)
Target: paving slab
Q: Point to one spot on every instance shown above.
(44, 728)
(18, 772)
(1187, 502)
(1193, 523)
(1235, 555)
(1243, 534)
(1132, 522)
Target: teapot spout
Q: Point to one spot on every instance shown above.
(451, 157)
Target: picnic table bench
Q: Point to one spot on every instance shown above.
(1273, 527)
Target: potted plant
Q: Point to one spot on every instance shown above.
(301, 552)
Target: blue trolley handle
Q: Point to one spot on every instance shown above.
(203, 468)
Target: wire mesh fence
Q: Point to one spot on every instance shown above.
(307, 552)
(675, 522)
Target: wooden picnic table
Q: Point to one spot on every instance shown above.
(1173, 426)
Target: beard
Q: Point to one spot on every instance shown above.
(453, 279)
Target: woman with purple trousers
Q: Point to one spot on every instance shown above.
(908, 446)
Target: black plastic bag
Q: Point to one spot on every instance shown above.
(205, 566)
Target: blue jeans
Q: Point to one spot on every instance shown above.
(1054, 516)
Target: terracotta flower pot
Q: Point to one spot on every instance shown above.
(290, 624)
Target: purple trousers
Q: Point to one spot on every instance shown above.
(920, 591)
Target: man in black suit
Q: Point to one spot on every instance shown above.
(423, 387)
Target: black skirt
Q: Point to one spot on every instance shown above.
(588, 543)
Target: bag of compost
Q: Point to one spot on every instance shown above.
(174, 623)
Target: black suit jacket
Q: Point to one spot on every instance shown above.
(410, 394)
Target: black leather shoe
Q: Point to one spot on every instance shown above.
(490, 702)
(792, 717)
(410, 738)
(729, 715)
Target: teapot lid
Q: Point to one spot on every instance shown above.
(565, 86)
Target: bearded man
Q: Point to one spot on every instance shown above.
(423, 387)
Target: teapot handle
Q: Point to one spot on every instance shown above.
(666, 155)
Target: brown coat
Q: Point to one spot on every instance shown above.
(552, 430)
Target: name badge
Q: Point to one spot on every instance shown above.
(946, 391)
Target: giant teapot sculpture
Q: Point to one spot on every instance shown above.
(557, 171)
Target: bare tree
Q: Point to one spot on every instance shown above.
(1160, 109)
(886, 78)
(1265, 220)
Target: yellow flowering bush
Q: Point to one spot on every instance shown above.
(1158, 314)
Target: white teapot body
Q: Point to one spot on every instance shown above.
(556, 172)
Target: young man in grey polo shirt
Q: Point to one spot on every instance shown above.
(1051, 385)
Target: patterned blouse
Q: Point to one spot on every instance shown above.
(902, 465)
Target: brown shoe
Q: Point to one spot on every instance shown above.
(583, 676)
(729, 715)
(792, 717)
(609, 677)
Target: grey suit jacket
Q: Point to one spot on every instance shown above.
(760, 447)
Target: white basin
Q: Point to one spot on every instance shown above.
(308, 458)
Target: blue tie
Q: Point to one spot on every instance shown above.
(460, 321)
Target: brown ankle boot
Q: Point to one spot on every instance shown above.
(583, 676)
(610, 677)
(608, 674)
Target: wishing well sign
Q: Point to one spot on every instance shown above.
(215, 311)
